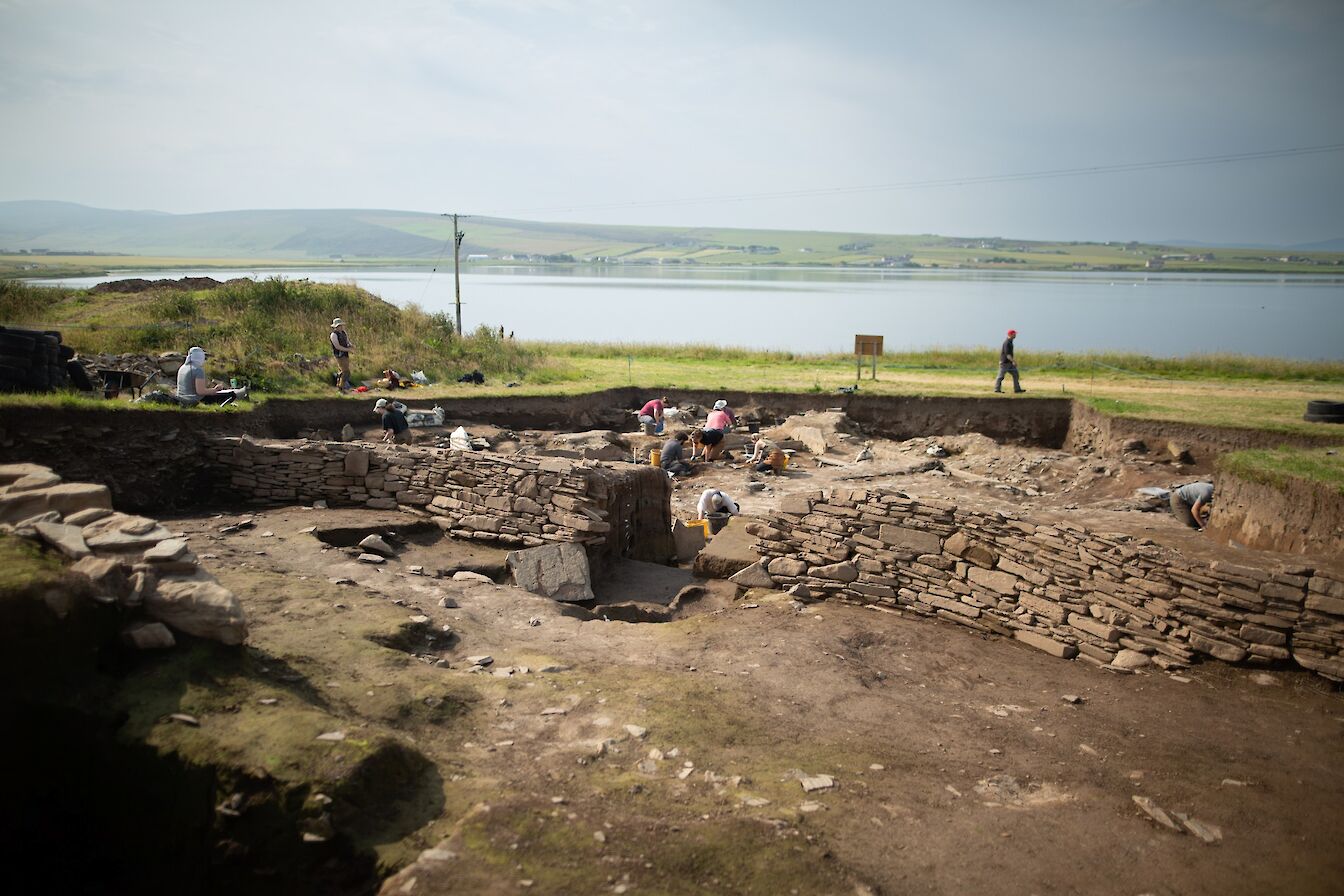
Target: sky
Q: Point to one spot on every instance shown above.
(889, 117)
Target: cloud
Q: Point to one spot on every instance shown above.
(502, 105)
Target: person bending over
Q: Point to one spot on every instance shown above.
(707, 442)
(722, 405)
(395, 427)
(766, 456)
(721, 418)
(1190, 503)
(652, 412)
(674, 455)
(714, 501)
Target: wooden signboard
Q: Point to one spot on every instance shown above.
(867, 345)
(870, 346)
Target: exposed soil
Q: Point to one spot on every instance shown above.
(986, 775)
(593, 754)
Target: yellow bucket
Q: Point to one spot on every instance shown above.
(785, 465)
(702, 524)
(655, 457)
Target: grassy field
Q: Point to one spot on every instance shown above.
(1278, 466)
(274, 332)
(505, 244)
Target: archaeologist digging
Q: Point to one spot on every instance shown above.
(766, 456)
(729, 419)
(706, 443)
(395, 427)
(1190, 504)
(714, 501)
(652, 412)
(673, 459)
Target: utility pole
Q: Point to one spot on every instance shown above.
(457, 278)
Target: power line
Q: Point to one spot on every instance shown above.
(1091, 170)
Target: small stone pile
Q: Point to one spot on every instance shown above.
(1106, 598)
(130, 561)
(165, 365)
(516, 500)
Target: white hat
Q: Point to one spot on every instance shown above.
(717, 499)
(380, 404)
(196, 354)
(720, 405)
(337, 322)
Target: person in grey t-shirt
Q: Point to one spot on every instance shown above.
(1190, 503)
(192, 386)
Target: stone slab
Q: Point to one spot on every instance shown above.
(557, 571)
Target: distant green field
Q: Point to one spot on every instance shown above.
(49, 233)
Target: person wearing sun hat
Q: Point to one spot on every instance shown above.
(341, 347)
(1008, 364)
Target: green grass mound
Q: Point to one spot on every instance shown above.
(1277, 467)
(269, 331)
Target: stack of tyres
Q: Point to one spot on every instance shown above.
(1324, 412)
(32, 360)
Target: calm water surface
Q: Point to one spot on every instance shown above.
(821, 310)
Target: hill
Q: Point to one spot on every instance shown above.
(51, 230)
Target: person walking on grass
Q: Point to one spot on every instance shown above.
(341, 347)
(1008, 364)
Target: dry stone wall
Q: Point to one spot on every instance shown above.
(614, 510)
(1106, 598)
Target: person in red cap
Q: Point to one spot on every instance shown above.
(1008, 364)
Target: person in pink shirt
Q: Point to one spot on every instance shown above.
(652, 412)
(722, 405)
(719, 420)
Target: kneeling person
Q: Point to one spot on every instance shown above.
(766, 456)
(395, 427)
(673, 460)
(707, 442)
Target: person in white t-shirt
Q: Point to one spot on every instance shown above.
(714, 501)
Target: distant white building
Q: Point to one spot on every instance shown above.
(477, 256)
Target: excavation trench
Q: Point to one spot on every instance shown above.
(186, 830)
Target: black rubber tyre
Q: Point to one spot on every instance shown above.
(19, 362)
(78, 376)
(1325, 407)
(12, 343)
(1323, 418)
